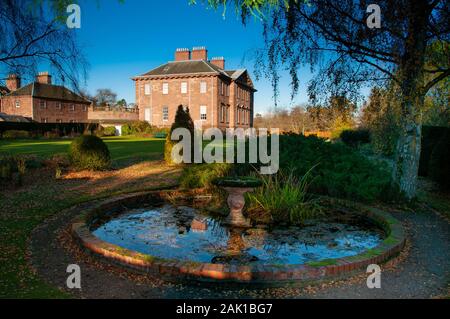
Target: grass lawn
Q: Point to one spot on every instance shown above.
(42, 196)
(123, 148)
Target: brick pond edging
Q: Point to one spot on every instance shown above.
(176, 270)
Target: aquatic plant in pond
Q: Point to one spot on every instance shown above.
(285, 199)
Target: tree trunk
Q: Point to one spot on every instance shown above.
(408, 149)
(406, 166)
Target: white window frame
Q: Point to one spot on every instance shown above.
(147, 89)
(58, 121)
(42, 104)
(148, 114)
(203, 87)
(84, 108)
(17, 104)
(72, 107)
(184, 87)
(203, 113)
(165, 88)
(58, 105)
(165, 113)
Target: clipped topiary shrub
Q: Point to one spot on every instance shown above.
(354, 138)
(439, 167)
(89, 152)
(182, 120)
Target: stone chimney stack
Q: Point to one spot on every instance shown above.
(199, 53)
(13, 82)
(44, 77)
(182, 54)
(219, 62)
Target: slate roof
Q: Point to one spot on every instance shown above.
(235, 74)
(185, 67)
(49, 91)
(192, 67)
(13, 118)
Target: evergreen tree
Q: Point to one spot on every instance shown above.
(182, 120)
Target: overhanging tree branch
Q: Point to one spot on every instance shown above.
(436, 80)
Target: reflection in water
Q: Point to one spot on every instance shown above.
(235, 243)
(184, 233)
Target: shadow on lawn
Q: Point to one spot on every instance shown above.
(43, 196)
(125, 152)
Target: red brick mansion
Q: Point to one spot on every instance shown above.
(218, 97)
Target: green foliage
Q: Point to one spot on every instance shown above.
(58, 172)
(340, 171)
(89, 152)
(122, 103)
(5, 170)
(354, 138)
(21, 169)
(382, 117)
(11, 164)
(284, 198)
(137, 128)
(182, 120)
(439, 169)
(109, 131)
(238, 181)
(339, 125)
(203, 175)
(16, 134)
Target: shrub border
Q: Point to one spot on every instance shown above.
(180, 271)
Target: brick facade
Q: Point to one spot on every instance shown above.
(226, 96)
(45, 110)
(43, 102)
(99, 115)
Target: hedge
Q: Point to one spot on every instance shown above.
(431, 135)
(354, 138)
(439, 166)
(61, 129)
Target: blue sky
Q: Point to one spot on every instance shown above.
(124, 40)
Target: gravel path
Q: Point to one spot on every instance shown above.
(424, 271)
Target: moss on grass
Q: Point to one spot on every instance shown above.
(322, 263)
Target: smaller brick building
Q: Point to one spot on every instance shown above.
(44, 102)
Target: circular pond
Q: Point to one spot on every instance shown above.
(187, 234)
